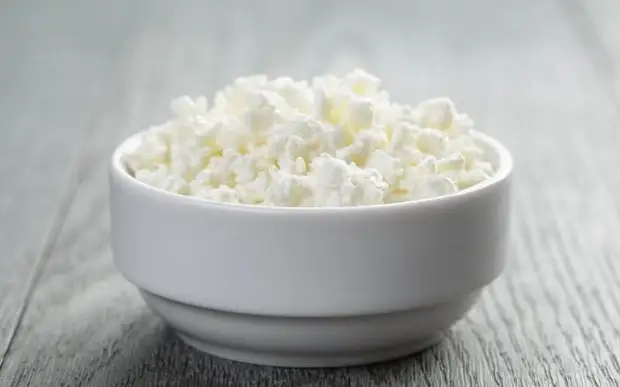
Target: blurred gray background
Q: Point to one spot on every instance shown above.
(77, 76)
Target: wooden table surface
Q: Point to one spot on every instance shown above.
(78, 76)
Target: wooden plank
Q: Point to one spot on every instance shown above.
(600, 18)
(598, 30)
(53, 69)
(516, 67)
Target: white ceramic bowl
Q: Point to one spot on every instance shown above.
(310, 287)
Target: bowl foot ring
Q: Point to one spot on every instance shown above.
(310, 360)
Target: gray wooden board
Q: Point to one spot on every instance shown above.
(524, 70)
(54, 66)
(601, 28)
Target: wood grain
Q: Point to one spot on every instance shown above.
(598, 21)
(54, 66)
(523, 70)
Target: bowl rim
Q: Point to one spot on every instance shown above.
(119, 171)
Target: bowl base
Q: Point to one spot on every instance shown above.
(310, 360)
(310, 341)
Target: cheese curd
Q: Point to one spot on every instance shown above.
(332, 142)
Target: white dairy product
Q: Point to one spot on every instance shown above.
(331, 142)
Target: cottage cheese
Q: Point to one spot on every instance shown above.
(336, 141)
